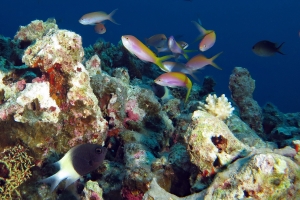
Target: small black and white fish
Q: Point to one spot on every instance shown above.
(77, 162)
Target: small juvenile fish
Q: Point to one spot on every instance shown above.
(77, 162)
(157, 40)
(97, 17)
(175, 79)
(200, 61)
(183, 44)
(266, 48)
(207, 37)
(137, 48)
(100, 28)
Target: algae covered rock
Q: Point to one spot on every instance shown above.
(261, 176)
(211, 144)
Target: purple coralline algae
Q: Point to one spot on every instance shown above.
(242, 87)
(61, 95)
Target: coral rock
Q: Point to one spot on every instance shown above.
(242, 86)
(211, 144)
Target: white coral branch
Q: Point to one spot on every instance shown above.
(219, 107)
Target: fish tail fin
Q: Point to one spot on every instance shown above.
(110, 16)
(278, 49)
(212, 61)
(189, 87)
(192, 73)
(159, 61)
(202, 30)
(53, 180)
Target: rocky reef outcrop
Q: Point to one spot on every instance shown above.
(157, 148)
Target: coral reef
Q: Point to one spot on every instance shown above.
(35, 30)
(258, 176)
(279, 127)
(57, 109)
(242, 86)
(211, 145)
(92, 191)
(158, 148)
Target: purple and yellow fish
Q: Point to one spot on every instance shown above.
(175, 79)
(137, 48)
(207, 37)
(200, 61)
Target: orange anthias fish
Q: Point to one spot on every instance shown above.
(100, 28)
(175, 79)
(200, 61)
(137, 48)
(207, 37)
(97, 17)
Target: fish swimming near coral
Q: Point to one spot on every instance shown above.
(200, 61)
(97, 17)
(175, 79)
(266, 48)
(100, 28)
(207, 37)
(77, 162)
(137, 48)
(179, 67)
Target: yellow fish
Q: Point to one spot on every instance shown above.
(137, 48)
(175, 79)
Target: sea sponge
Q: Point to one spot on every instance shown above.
(218, 106)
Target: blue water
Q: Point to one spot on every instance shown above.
(238, 25)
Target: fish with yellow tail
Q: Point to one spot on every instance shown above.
(175, 79)
(97, 17)
(200, 61)
(207, 37)
(78, 161)
(179, 67)
(137, 48)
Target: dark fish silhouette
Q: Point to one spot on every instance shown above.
(266, 48)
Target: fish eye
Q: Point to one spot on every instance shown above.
(98, 150)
